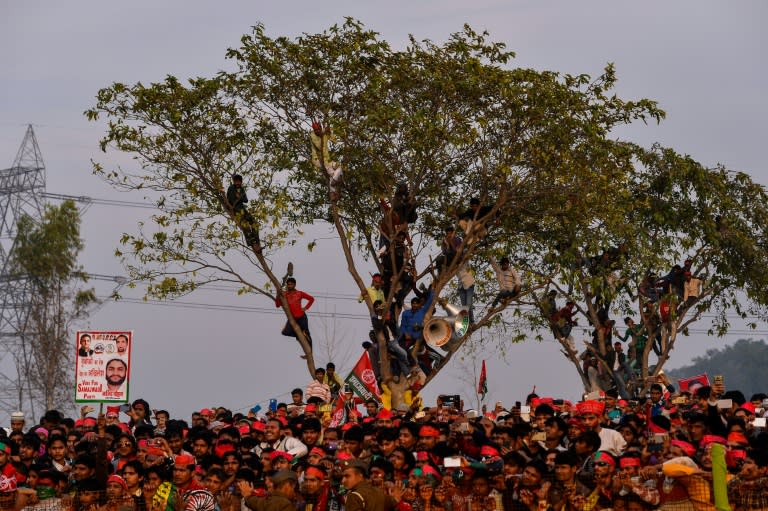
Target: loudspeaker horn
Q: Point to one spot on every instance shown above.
(443, 332)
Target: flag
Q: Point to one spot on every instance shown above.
(685, 383)
(339, 416)
(482, 385)
(362, 380)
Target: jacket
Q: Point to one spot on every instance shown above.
(366, 497)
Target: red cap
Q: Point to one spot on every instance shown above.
(280, 454)
(384, 414)
(687, 448)
(221, 450)
(317, 450)
(604, 457)
(747, 407)
(429, 431)
(712, 439)
(629, 461)
(590, 407)
(316, 472)
(184, 460)
(119, 480)
(155, 451)
(429, 470)
(259, 426)
(735, 437)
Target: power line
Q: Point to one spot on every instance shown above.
(101, 202)
(234, 308)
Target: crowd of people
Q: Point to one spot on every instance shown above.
(702, 449)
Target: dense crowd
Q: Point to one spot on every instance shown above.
(705, 448)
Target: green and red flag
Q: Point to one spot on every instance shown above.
(339, 415)
(362, 380)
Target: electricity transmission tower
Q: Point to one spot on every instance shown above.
(22, 189)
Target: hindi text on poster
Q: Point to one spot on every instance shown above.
(103, 366)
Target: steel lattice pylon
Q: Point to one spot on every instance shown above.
(22, 189)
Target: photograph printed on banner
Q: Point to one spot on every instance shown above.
(103, 366)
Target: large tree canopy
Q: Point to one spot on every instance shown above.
(329, 126)
(670, 210)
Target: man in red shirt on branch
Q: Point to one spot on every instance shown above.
(294, 298)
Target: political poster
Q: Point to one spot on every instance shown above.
(685, 384)
(103, 366)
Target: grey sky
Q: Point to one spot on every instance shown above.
(704, 61)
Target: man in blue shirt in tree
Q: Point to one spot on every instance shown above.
(412, 320)
(411, 326)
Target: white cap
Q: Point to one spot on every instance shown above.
(17, 416)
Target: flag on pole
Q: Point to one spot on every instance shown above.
(482, 385)
(339, 415)
(362, 380)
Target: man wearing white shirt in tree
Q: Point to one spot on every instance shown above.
(318, 387)
(466, 289)
(509, 281)
(691, 289)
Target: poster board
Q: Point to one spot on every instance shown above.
(684, 384)
(103, 366)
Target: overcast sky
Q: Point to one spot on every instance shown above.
(704, 61)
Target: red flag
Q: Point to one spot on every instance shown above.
(362, 379)
(339, 415)
(685, 383)
(482, 385)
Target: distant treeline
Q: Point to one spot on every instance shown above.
(743, 364)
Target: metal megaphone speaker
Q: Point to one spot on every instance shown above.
(443, 332)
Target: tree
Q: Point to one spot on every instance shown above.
(671, 217)
(330, 126)
(46, 253)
